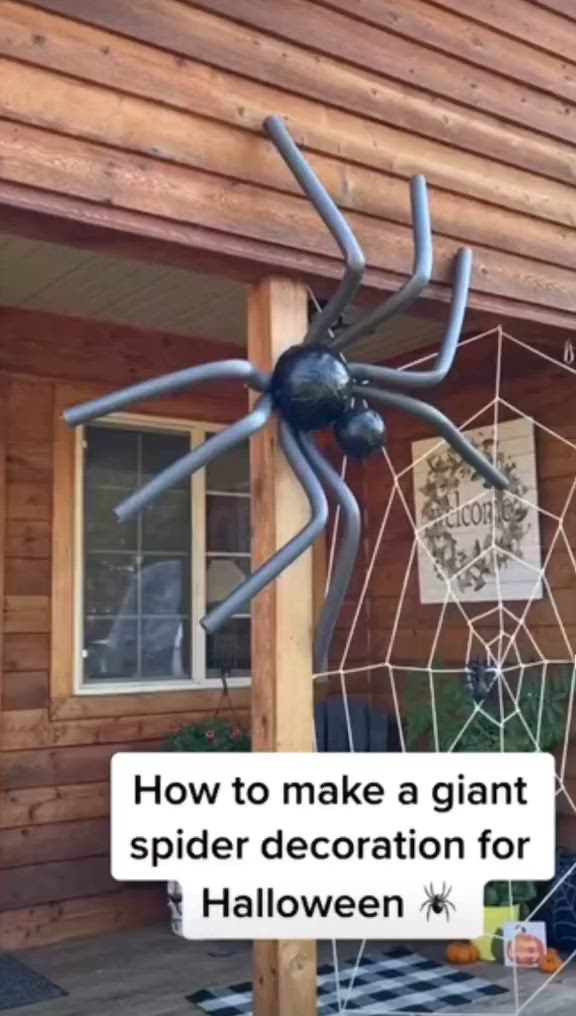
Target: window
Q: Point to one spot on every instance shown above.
(144, 585)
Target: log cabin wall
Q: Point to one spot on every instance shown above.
(54, 831)
(138, 126)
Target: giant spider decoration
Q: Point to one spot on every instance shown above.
(313, 387)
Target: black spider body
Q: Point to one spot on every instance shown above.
(313, 387)
(437, 904)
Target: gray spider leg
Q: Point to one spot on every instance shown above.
(332, 217)
(180, 380)
(427, 378)
(269, 571)
(444, 426)
(197, 458)
(347, 551)
(400, 302)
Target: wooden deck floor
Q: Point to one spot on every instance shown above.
(149, 972)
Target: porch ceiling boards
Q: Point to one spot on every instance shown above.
(36, 275)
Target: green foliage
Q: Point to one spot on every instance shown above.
(213, 735)
(505, 894)
(540, 717)
(542, 700)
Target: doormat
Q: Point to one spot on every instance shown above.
(20, 985)
(396, 981)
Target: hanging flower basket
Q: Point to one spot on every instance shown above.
(211, 735)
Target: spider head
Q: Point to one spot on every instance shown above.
(360, 431)
(311, 386)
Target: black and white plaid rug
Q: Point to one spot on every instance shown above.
(396, 981)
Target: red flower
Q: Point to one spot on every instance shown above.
(235, 733)
(210, 735)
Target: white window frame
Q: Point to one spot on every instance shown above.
(197, 429)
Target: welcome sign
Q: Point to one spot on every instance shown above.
(485, 542)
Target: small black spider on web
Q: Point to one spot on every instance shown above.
(313, 387)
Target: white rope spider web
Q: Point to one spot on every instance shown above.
(507, 633)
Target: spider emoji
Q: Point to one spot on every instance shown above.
(437, 903)
(313, 387)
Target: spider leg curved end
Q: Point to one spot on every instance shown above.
(407, 379)
(271, 569)
(333, 219)
(444, 426)
(403, 299)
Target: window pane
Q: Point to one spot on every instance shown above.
(164, 644)
(166, 523)
(161, 450)
(108, 580)
(165, 586)
(102, 531)
(228, 547)
(230, 472)
(111, 649)
(228, 650)
(223, 575)
(111, 458)
(136, 605)
(227, 524)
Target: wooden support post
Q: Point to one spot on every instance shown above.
(282, 692)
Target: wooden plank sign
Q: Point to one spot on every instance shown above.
(487, 544)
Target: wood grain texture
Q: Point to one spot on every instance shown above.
(517, 20)
(77, 918)
(29, 886)
(59, 841)
(564, 7)
(25, 690)
(282, 631)
(51, 767)
(407, 92)
(480, 45)
(46, 100)
(404, 58)
(25, 728)
(3, 516)
(284, 77)
(61, 803)
(34, 157)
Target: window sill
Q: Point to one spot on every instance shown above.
(110, 703)
(157, 687)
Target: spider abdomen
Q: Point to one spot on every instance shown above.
(311, 386)
(360, 431)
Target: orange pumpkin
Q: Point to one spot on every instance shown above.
(462, 953)
(526, 950)
(550, 962)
